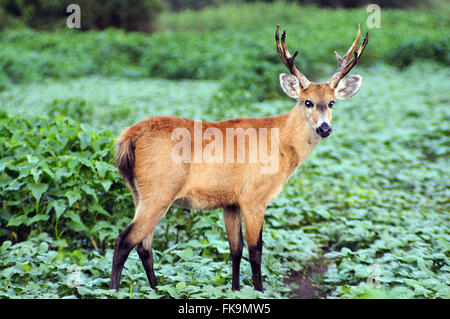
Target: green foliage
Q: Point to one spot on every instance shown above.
(359, 3)
(110, 103)
(74, 108)
(58, 177)
(135, 15)
(45, 268)
(405, 53)
(308, 19)
(177, 5)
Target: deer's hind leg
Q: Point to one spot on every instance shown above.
(138, 232)
(145, 253)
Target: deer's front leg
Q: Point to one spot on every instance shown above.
(253, 221)
(233, 221)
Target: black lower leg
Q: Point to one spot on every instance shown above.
(255, 254)
(122, 249)
(236, 255)
(147, 261)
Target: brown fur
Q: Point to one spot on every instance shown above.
(157, 182)
(144, 159)
(209, 185)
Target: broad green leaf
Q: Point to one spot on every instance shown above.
(37, 190)
(45, 168)
(36, 172)
(63, 140)
(15, 185)
(75, 224)
(59, 206)
(62, 172)
(169, 289)
(72, 196)
(180, 286)
(5, 245)
(17, 220)
(187, 254)
(106, 184)
(90, 191)
(36, 218)
(96, 208)
(43, 247)
(85, 139)
(102, 168)
(26, 267)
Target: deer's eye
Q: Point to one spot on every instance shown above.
(308, 103)
(330, 105)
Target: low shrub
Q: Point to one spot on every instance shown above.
(404, 54)
(74, 108)
(56, 176)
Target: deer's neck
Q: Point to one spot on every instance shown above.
(301, 138)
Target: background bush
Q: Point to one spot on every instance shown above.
(139, 15)
(177, 5)
(142, 15)
(359, 3)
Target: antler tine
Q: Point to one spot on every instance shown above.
(338, 57)
(279, 47)
(346, 63)
(287, 59)
(352, 49)
(285, 49)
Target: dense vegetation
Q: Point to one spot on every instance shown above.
(137, 15)
(375, 193)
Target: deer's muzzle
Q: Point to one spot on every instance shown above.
(324, 130)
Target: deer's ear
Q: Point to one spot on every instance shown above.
(290, 85)
(348, 86)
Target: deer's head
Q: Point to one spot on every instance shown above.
(316, 99)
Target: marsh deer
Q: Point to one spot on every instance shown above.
(169, 161)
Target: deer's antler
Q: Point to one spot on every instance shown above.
(288, 59)
(346, 63)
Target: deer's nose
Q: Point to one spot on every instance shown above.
(324, 130)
